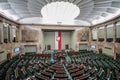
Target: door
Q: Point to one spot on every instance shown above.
(66, 46)
(49, 47)
(100, 50)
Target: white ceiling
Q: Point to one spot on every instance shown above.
(91, 11)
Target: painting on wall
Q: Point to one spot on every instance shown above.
(82, 35)
(30, 35)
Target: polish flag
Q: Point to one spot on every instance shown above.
(58, 40)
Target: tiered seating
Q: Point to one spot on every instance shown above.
(60, 72)
(87, 66)
(105, 65)
(7, 68)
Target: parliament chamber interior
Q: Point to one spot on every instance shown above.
(59, 39)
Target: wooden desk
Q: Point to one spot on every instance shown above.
(61, 76)
(78, 73)
(100, 72)
(41, 77)
(84, 76)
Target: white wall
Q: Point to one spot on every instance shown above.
(110, 31)
(49, 39)
(66, 39)
(118, 30)
(101, 33)
(94, 34)
(42, 46)
(73, 40)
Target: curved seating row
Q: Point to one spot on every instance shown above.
(88, 66)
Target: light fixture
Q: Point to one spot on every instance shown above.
(60, 12)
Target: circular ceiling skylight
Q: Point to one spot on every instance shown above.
(60, 11)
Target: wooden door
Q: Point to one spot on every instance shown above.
(49, 47)
(8, 56)
(100, 50)
(66, 46)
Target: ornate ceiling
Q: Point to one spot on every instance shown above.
(91, 11)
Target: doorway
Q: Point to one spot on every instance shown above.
(66, 46)
(48, 47)
(100, 50)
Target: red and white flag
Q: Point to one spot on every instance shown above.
(58, 40)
